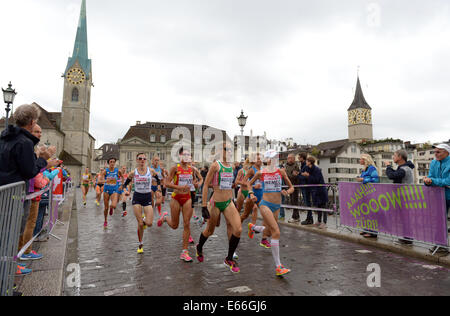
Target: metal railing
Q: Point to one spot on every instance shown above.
(12, 198)
(11, 212)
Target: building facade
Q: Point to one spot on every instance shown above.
(163, 139)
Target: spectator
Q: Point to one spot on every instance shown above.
(403, 174)
(306, 192)
(282, 215)
(313, 175)
(36, 184)
(43, 207)
(369, 175)
(18, 162)
(292, 171)
(439, 176)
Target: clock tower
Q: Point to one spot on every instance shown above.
(77, 97)
(360, 118)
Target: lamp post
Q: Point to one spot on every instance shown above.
(8, 96)
(242, 121)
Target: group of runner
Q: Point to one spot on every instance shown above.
(260, 188)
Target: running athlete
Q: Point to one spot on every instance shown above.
(124, 191)
(198, 180)
(243, 190)
(182, 178)
(110, 192)
(86, 182)
(252, 206)
(100, 182)
(142, 197)
(271, 178)
(157, 194)
(165, 174)
(220, 175)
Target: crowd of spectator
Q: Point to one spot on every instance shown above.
(305, 172)
(22, 159)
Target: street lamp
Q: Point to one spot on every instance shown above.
(8, 96)
(242, 121)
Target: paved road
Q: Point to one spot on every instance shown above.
(320, 265)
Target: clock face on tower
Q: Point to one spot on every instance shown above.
(352, 117)
(76, 76)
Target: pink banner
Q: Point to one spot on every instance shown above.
(413, 211)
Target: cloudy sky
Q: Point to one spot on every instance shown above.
(291, 65)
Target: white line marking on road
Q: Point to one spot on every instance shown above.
(239, 289)
(363, 251)
(334, 293)
(430, 267)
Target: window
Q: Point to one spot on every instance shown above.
(129, 156)
(343, 160)
(75, 95)
(332, 160)
(152, 138)
(163, 138)
(162, 156)
(353, 149)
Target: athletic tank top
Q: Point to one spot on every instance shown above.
(224, 177)
(183, 177)
(271, 181)
(159, 172)
(112, 177)
(142, 183)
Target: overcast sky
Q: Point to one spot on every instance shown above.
(291, 65)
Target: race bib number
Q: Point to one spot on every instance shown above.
(226, 181)
(111, 181)
(272, 183)
(185, 179)
(142, 184)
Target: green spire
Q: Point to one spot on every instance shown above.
(80, 49)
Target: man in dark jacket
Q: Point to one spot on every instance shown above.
(313, 175)
(18, 162)
(292, 171)
(404, 172)
(306, 192)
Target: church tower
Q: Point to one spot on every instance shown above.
(77, 97)
(360, 118)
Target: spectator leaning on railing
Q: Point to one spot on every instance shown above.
(403, 174)
(35, 184)
(18, 162)
(313, 175)
(369, 175)
(292, 171)
(439, 175)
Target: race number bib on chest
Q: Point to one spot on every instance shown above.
(142, 184)
(226, 181)
(185, 179)
(272, 183)
(111, 181)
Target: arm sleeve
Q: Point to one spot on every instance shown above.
(398, 174)
(29, 164)
(372, 177)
